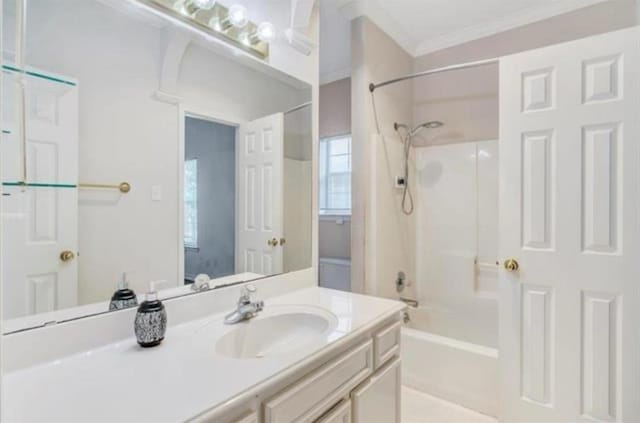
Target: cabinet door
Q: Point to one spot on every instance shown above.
(340, 414)
(378, 399)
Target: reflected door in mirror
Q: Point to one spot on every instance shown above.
(260, 167)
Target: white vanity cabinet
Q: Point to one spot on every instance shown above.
(359, 384)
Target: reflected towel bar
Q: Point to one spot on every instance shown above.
(487, 264)
(123, 187)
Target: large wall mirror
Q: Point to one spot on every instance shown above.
(133, 149)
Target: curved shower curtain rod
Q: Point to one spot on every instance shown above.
(373, 87)
(298, 107)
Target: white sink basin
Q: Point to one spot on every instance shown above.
(278, 330)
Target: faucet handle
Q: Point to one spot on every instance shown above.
(248, 289)
(245, 293)
(259, 305)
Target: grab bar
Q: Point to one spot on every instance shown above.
(410, 302)
(487, 264)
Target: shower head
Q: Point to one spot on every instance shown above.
(429, 125)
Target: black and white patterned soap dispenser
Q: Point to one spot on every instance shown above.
(151, 321)
(123, 297)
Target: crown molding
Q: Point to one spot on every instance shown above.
(379, 16)
(499, 25)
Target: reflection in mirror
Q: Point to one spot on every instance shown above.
(148, 155)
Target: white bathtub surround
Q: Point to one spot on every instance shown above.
(457, 240)
(457, 371)
(184, 376)
(418, 407)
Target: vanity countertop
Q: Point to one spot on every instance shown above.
(179, 379)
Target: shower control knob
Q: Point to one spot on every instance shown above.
(511, 265)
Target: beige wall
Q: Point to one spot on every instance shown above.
(467, 100)
(335, 108)
(382, 238)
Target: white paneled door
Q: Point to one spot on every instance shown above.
(39, 219)
(569, 215)
(260, 195)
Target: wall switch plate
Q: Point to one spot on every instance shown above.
(156, 193)
(400, 182)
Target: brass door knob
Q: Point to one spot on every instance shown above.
(273, 242)
(67, 255)
(282, 241)
(511, 265)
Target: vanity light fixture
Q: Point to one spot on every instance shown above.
(231, 25)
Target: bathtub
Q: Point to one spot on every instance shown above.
(456, 370)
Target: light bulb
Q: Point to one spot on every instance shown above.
(215, 23)
(266, 32)
(204, 4)
(238, 16)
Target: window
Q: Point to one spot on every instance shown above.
(191, 203)
(335, 175)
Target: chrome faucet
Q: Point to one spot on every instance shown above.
(246, 309)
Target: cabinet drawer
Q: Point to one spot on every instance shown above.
(340, 414)
(386, 344)
(314, 394)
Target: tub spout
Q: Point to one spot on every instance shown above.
(410, 302)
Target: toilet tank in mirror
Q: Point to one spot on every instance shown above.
(137, 155)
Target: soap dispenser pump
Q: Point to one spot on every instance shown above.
(123, 297)
(151, 320)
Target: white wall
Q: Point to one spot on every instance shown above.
(126, 134)
(297, 214)
(298, 178)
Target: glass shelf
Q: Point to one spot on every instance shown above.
(38, 75)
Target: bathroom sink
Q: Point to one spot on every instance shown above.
(279, 330)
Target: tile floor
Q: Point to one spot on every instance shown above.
(418, 407)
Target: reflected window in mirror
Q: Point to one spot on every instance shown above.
(191, 203)
(335, 175)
